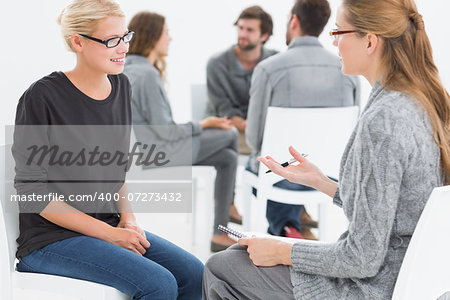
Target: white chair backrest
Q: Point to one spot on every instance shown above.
(425, 271)
(322, 133)
(199, 101)
(9, 219)
(11, 213)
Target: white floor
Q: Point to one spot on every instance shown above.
(176, 227)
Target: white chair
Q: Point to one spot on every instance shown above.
(199, 101)
(425, 271)
(248, 182)
(322, 133)
(13, 281)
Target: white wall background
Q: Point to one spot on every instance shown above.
(31, 45)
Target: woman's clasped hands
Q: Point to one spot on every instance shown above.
(130, 236)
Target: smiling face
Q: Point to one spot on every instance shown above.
(249, 34)
(97, 56)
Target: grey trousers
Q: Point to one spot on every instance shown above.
(230, 274)
(218, 148)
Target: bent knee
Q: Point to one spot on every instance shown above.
(232, 137)
(221, 261)
(166, 287)
(214, 263)
(193, 275)
(228, 158)
(234, 133)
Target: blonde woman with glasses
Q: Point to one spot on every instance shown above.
(399, 151)
(97, 241)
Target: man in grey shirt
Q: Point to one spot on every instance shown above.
(306, 75)
(229, 73)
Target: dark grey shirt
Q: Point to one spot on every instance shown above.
(388, 170)
(229, 84)
(54, 100)
(306, 75)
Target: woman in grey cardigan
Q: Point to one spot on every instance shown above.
(213, 140)
(398, 152)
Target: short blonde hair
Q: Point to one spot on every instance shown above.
(81, 16)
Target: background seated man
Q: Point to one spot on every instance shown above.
(285, 80)
(229, 72)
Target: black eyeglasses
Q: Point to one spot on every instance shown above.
(335, 33)
(112, 42)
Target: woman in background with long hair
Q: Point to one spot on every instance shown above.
(213, 140)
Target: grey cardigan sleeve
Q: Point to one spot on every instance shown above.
(217, 93)
(260, 96)
(370, 184)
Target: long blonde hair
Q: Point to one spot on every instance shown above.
(81, 16)
(407, 61)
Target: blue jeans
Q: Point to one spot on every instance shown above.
(165, 271)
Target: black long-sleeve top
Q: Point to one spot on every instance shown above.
(54, 100)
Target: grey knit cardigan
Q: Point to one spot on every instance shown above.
(388, 170)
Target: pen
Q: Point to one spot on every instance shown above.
(287, 163)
